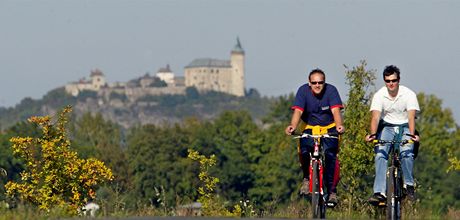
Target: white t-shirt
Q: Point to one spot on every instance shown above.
(394, 111)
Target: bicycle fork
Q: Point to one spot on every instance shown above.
(318, 163)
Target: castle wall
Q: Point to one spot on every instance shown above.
(135, 93)
(209, 78)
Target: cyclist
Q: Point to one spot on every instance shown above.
(393, 110)
(318, 104)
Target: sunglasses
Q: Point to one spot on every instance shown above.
(318, 82)
(391, 80)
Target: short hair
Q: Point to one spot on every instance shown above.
(317, 70)
(390, 70)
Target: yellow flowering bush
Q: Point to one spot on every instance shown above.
(211, 206)
(54, 176)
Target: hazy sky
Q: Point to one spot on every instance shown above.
(46, 44)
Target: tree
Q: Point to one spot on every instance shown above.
(437, 189)
(54, 176)
(356, 157)
(93, 136)
(157, 158)
(275, 166)
(231, 132)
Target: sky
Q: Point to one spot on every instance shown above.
(45, 44)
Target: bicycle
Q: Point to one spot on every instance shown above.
(394, 178)
(318, 201)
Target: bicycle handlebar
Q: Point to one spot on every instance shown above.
(393, 141)
(328, 135)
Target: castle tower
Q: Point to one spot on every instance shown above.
(237, 63)
(97, 79)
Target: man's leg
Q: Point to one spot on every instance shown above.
(305, 146)
(331, 167)
(407, 166)
(381, 160)
(381, 165)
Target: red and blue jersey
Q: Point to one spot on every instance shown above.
(317, 108)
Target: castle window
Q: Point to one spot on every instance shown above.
(212, 70)
(217, 70)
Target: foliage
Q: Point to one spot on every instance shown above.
(192, 92)
(93, 136)
(439, 135)
(157, 157)
(158, 83)
(233, 135)
(279, 110)
(13, 166)
(54, 176)
(356, 156)
(116, 95)
(276, 169)
(255, 160)
(57, 98)
(207, 196)
(86, 94)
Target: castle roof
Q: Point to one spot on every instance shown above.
(207, 62)
(96, 72)
(165, 69)
(238, 48)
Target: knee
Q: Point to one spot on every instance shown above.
(407, 154)
(381, 155)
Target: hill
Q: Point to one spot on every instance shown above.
(148, 109)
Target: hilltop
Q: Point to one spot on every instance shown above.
(148, 109)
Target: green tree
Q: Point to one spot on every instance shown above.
(276, 167)
(93, 136)
(356, 157)
(157, 158)
(280, 110)
(437, 189)
(231, 133)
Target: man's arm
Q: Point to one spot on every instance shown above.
(374, 124)
(294, 121)
(338, 119)
(411, 117)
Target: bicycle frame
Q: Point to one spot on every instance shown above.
(394, 180)
(318, 202)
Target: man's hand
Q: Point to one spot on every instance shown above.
(340, 129)
(370, 137)
(289, 129)
(415, 138)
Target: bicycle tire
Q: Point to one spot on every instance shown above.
(393, 199)
(316, 194)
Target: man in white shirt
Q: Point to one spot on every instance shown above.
(393, 110)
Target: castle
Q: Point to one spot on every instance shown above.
(205, 74)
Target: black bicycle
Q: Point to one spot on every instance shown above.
(318, 202)
(394, 178)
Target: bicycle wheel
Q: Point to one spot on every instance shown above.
(393, 199)
(316, 194)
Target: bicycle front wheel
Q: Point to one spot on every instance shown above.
(393, 199)
(316, 193)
